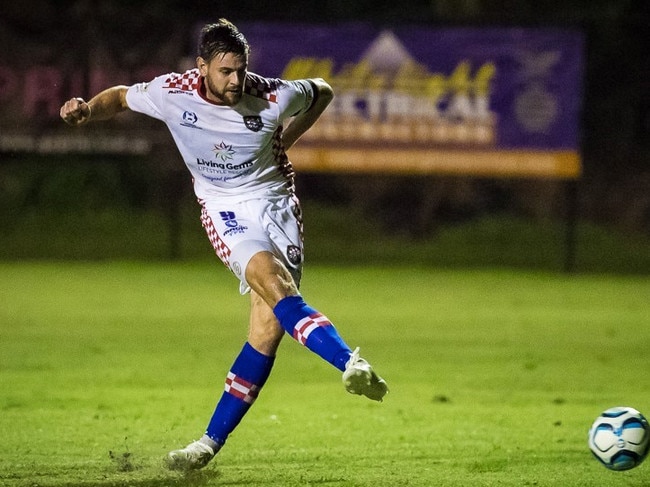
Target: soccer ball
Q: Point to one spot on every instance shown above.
(620, 438)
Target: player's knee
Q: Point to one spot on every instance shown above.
(270, 278)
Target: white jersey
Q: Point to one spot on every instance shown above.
(230, 151)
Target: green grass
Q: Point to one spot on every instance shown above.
(495, 377)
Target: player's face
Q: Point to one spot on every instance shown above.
(224, 77)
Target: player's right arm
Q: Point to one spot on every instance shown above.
(102, 106)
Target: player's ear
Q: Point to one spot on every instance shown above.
(202, 65)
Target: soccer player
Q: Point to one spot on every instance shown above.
(232, 128)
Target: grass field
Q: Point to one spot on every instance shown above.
(495, 376)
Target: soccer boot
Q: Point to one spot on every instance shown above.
(359, 378)
(194, 456)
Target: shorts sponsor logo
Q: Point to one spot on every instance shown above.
(227, 215)
(235, 230)
(231, 222)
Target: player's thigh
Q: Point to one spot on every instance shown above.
(236, 234)
(282, 220)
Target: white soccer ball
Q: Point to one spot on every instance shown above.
(620, 438)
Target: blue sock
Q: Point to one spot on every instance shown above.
(243, 383)
(313, 330)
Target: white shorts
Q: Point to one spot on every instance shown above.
(241, 229)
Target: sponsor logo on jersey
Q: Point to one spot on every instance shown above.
(180, 92)
(202, 163)
(253, 122)
(190, 119)
(223, 151)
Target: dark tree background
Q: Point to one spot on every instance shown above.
(615, 187)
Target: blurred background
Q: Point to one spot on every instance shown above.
(119, 190)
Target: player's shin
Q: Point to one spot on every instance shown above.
(312, 329)
(243, 383)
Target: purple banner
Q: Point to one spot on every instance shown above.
(482, 88)
(494, 102)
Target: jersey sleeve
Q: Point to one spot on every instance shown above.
(295, 97)
(147, 97)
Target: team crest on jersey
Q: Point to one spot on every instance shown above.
(253, 122)
(294, 255)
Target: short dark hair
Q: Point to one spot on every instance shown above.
(221, 37)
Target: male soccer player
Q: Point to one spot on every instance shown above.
(231, 129)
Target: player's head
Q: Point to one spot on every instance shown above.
(222, 61)
(220, 38)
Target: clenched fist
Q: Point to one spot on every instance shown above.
(75, 111)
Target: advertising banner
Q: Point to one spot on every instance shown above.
(493, 102)
(471, 101)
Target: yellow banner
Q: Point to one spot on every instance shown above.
(372, 159)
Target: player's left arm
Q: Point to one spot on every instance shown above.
(323, 95)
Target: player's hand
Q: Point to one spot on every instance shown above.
(75, 111)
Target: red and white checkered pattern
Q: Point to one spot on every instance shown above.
(281, 159)
(187, 81)
(240, 388)
(264, 88)
(304, 327)
(221, 249)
